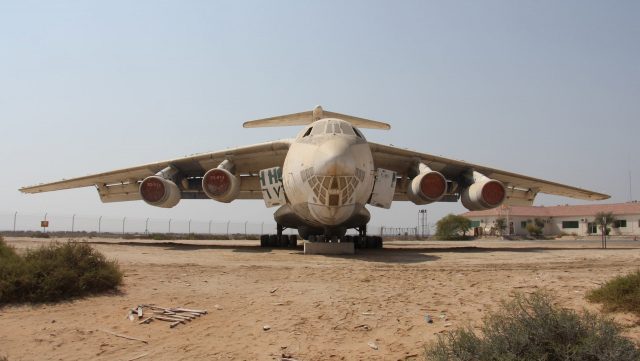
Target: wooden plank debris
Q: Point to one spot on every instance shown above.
(175, 315)
(125, 336)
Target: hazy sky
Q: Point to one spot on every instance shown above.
(550, 89)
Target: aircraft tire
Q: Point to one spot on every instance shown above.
(293, 241)
(273, 240)
(264, 240)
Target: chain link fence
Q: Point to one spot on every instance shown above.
(76, 223)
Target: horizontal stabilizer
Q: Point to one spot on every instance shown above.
(318, 113)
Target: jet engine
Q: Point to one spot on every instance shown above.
(483, 193)
(221, 185)
(427, 187)
(159, 192)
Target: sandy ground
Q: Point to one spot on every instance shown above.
(317, 307)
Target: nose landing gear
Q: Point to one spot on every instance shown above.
(279, 240)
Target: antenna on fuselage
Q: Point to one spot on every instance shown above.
(317, 113)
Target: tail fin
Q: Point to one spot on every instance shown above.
(318, 113)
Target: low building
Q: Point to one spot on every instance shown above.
(557, 220)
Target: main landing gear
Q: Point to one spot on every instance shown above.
(361, 241)
(279, 239)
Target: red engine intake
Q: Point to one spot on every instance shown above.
(427, 187)
(482, 195)
(159, 192)
(220, 185)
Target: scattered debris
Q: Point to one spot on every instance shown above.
(125, 336)
(368, 313)
(175, 315)
(218, 307)
(428, 318)
(266, 328)
(138, 357)
(362, 327)
(274, 290)
(448, 324)
(373, 345)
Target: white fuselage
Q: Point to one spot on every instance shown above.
(328, 173)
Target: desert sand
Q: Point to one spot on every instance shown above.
(316, 307)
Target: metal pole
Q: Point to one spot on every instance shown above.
(169, 225)
(189, 226)
(262, 228)
(245, 229)
(73, 223)
(146, 227)
(99, 224)
(15, 215)
(44, 229)
(228, 222)
(123, 220)
(210, 226)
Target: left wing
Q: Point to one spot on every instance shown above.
(123, 184)
(521, 189)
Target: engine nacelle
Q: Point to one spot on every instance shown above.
(220, 185)
(484, 194)
(159, 192)
(427, 187)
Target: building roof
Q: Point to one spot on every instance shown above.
(559, 211)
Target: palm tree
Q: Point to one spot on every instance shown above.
(604, 220)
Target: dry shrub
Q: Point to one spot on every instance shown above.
(56, 272)
(619, 294)
(532, 328)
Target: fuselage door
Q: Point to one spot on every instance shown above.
(383, 189)
(272, 188)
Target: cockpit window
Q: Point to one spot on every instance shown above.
(346, 128)
(306, 134)
(319, 128)
(358, 134)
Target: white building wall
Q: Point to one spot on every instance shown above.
(554, 225)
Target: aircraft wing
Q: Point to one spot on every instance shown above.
(123, 184)
(521, 189)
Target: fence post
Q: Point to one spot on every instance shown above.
(15, 216)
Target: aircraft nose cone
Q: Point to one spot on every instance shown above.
(334, 158)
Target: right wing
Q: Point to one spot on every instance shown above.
(521, 189)
(123, 184)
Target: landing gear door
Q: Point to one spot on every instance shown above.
(383, 189)
(271, 185)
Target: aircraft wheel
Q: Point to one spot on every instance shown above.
(371, 242)
(264, 240)
(273, 240)
(378, 241)
(293, 241)
(283, 241)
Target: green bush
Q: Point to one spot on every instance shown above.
(56, 272)
(532, 328)
(619, 294)
(453, 227)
